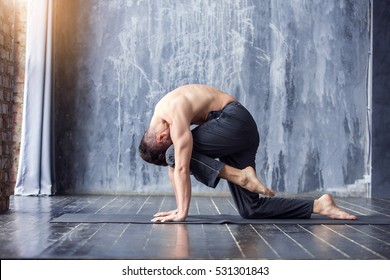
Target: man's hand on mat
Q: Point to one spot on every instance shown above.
(163, 214)
(170, 216)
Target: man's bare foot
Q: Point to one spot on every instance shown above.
(326, 206)
(253, 184)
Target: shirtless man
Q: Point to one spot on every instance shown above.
(226, 131)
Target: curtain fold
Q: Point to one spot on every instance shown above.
(36, 164)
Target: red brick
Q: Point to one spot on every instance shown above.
(13, 19)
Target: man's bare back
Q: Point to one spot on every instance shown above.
(195, 100)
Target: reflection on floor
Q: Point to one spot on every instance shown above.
(27, 233)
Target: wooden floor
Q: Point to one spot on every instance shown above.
(27, 233)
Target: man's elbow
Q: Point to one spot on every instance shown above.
(182, 170)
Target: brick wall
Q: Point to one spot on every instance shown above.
(20, 61)
(13, 15)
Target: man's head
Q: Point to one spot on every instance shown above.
(153, 147)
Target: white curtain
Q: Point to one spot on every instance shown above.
(35, 173)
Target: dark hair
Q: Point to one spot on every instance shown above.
(151, 151)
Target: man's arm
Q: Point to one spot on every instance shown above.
(181, 174)
(182, 140)
(171, 171)
(172, 212)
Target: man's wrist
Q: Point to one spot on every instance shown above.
(182, 215)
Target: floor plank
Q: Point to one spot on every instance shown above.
(371, 248)
(279, 242)
(252, 243)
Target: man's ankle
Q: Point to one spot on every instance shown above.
(316, 206)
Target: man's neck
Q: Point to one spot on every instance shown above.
(157, 125)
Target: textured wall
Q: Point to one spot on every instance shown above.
(12, 50)
(20, 26)
(7, 74)
(381, 100)
(300, 67)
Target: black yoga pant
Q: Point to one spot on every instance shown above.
(231, 136)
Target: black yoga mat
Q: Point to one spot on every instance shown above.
(215, 219)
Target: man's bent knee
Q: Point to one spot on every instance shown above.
(170, 156)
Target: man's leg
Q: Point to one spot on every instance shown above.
(209, 171)
(251, 206)
(245, 178)
(205, 169)
(232, 136)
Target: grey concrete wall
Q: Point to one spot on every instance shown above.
(300, 67)
(381, 99)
